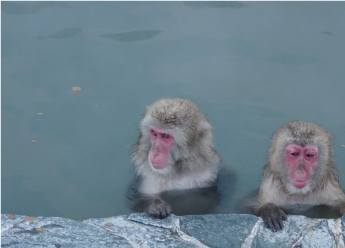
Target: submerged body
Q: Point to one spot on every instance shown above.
(207, 200)
(300, 171)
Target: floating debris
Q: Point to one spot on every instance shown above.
(108, 224)
(33, 141)
(40, 113)
(40, 229)
(76, 89)
(128, 146)
(30, 218)
(343, 145)
(11, 216)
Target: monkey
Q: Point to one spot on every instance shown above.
(300, 171)
(174, 152)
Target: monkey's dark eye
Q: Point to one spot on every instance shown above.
(166, 136)
(294, 154)
(310, 155)
(154, 133)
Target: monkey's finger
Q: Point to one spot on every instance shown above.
(154, 213)
(169, 210)
(281, 223)
(163, 211)
(283, 215)
(270, 225)
(163, 214)
(278, 223)
(265, 219)
(166, 209)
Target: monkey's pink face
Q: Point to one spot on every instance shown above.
(160, 150)
(301, 160)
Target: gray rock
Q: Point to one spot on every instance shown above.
(144, 231)
(141, 230)
(293, 229)
(223, 230)
(55, 232)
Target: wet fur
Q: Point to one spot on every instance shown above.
(195, 162)
(323, 187)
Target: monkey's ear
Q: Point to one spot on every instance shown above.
(204, 129)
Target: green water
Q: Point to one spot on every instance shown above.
(251, 66)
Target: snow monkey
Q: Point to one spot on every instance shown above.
(300, 171)
(173, 152)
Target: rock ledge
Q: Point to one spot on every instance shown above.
(140, 230)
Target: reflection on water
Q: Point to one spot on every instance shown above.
(321, 211)
(65, 33)
(214, 4)
(251, 67)
(132, 36)
(21, 8)
(289, 59)
(242, 47)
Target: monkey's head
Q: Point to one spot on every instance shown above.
(174, 132)
(301, 155)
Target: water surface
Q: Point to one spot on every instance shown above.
(251, 66)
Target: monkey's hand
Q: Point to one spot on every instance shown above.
(157, 208)
(273, 216)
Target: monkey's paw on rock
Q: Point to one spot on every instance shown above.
(272, 216)
(141, 230)
(158, 208)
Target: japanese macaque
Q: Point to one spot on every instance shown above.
(300, 171)
(173, 152)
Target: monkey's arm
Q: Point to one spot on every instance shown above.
(340, 207)
(340, 203)
(152, 204)
(332, 195)
(271, 213)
